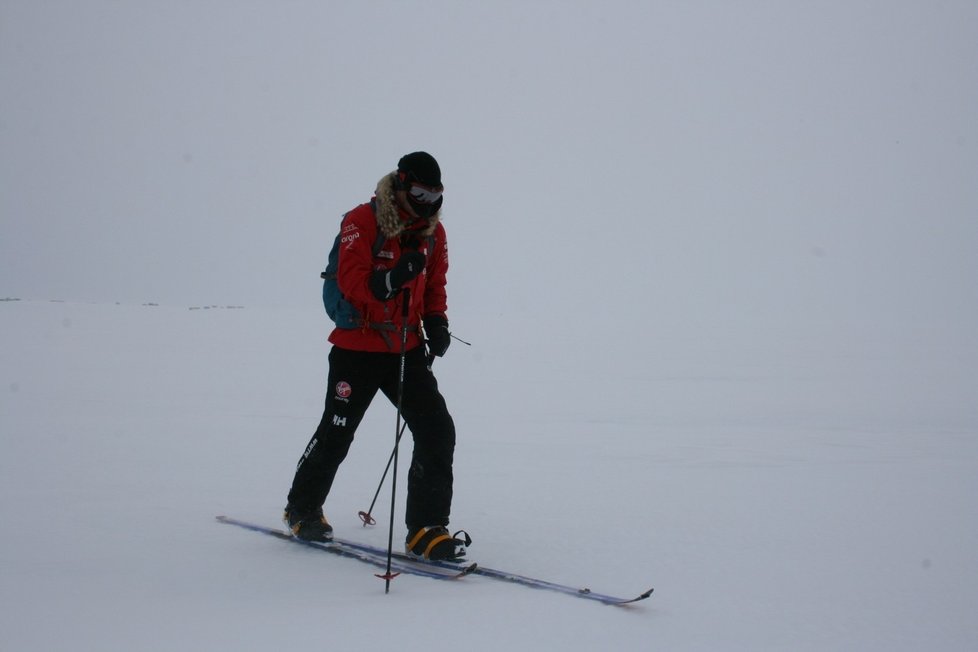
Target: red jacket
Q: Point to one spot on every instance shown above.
(380, 329)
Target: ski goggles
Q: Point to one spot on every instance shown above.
(425, 194)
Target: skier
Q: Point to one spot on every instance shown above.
(405, 211)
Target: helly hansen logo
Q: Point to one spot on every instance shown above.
(339, 421)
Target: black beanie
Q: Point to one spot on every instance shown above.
(421, 167)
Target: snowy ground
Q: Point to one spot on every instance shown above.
(717, 261)
(779, 492)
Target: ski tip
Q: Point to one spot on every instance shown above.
(643, 596)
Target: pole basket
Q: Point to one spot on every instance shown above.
(366, 518)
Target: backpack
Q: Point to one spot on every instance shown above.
(343, 314)
(338, 308)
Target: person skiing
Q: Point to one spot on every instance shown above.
(404, 219)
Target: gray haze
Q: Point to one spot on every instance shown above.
(713, 164)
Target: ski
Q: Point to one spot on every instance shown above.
(506, 576)
(442, 570)
(374, 556)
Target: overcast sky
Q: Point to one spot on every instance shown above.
(631, 162)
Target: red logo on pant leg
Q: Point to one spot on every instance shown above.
(343, 389)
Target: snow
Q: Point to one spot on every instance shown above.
(716, 261)
(127, 428)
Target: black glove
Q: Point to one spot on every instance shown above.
(436, 328)
(385, 283)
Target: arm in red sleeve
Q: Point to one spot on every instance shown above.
(356, 261)
(435, 296)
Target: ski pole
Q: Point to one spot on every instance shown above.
(387, 577)
(367, 516)
(431, 356)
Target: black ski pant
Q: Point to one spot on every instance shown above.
(354, 378)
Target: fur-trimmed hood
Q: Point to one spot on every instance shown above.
(388, 216)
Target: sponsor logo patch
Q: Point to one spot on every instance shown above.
(343, 389)
(349, 239)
